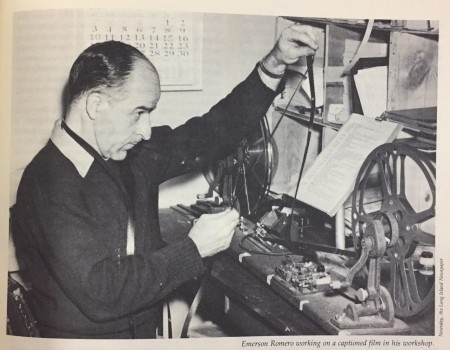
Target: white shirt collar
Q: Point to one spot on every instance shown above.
(79, 157)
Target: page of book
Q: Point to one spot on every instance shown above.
(329, 181)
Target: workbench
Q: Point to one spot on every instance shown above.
(243, 292)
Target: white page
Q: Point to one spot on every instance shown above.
(329, 181)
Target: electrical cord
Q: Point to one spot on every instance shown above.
(310, 70)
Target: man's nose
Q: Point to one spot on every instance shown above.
(145, 127)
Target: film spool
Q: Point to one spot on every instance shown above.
(253, 167)
(386, 169)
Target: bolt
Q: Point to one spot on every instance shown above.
(362, 294)
(335, 284)
(340, 317)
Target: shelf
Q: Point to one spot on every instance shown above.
(382, 25)
(419, 137)
(318, 119)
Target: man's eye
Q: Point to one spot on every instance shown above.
(143, 113)
(138, 115)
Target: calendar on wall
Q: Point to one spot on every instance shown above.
(171, 41)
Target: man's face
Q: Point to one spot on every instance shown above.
(124, 117)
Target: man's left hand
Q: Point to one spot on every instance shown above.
(294, 42)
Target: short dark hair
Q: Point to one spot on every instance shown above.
(101, 66)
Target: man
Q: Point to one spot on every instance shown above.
(86, 218)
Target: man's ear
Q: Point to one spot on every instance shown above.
(94, 104)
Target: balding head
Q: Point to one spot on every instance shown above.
(102, 67)
(113, 88)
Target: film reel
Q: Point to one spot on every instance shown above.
(394, 172)
(250, 169)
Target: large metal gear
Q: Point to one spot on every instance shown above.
(388, 171)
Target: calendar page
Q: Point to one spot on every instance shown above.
(171, 41)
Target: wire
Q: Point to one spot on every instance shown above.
(257, 252)
(303, 76)
(310, 70)
(282, 116)
(287, 106)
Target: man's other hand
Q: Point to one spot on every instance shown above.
(294, 42)
(212, 233)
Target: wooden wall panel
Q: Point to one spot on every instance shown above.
(412, 81)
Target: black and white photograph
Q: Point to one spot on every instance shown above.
(241, 179)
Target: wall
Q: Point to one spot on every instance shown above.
(47, 43)
(232, 45)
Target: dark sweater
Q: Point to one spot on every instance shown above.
(70, 230)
